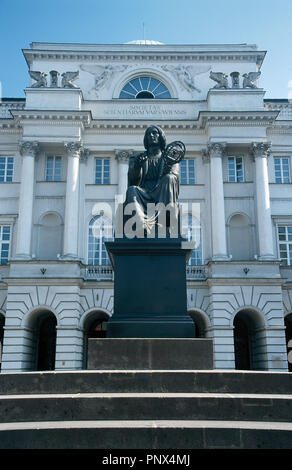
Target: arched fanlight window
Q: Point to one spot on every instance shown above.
(145, 88)
(191, 230)
(100, 231)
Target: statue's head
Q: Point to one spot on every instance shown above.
(161, 137)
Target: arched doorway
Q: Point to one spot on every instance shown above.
(288, 332)
(2, 322)
(42, 333)
(95, 326)
(249, 344)
(46, 351)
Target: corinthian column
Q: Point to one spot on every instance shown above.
(214, 154)
(70, 250)
(122, 157)
(261, 151)
(28, 151)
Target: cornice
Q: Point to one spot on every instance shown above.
(141, 53)
(52, 116)
(237, 118)
(120, 127)
(205, 118)
(281, 127)
(9, 126)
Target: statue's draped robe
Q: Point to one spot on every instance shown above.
(152, 182)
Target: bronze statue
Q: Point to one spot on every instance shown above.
(153, 177)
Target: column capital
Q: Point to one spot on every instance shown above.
(214, 149)
(74, 148)
(28, 148)
(123, 155)
(260, 149)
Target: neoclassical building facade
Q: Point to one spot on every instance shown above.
(64, 152)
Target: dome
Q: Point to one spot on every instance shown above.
(146, 42)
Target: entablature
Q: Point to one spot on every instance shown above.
(132, 52)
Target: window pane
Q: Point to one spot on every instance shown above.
(100, 230)
(54, 168)
(137, 85)
(102, 171)
(282, 170)
(4, 244)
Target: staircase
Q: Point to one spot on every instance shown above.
(146, 409)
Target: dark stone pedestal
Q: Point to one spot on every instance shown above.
(153, 354)
(150, 299)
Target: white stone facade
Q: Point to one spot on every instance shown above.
(70, 142)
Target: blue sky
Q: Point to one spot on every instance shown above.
(266, 23)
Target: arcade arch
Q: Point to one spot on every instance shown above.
(249, 340)
(2, 323)
(94, 326)
(288, 332)
(41, 325)
(201, 322)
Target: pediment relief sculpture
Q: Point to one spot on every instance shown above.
(102, 75)
(185, 75)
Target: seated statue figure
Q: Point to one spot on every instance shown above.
(153, 178)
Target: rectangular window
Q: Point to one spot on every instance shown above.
(187, 171)
(235, 170)
(285, 244)
(4, 243)
(6, 169)
(102, 171)
(282, 169)
(54, 168)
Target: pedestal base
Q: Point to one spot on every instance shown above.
(150, 326)
(148, 353)
(150, 297)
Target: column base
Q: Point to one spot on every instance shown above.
(267, 257)
(221, 258)
(69, 257)
(21, 257)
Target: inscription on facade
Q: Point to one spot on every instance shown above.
(145, 110)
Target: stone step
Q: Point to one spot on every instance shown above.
(175, 381)
(151, 434)
(146, 406)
